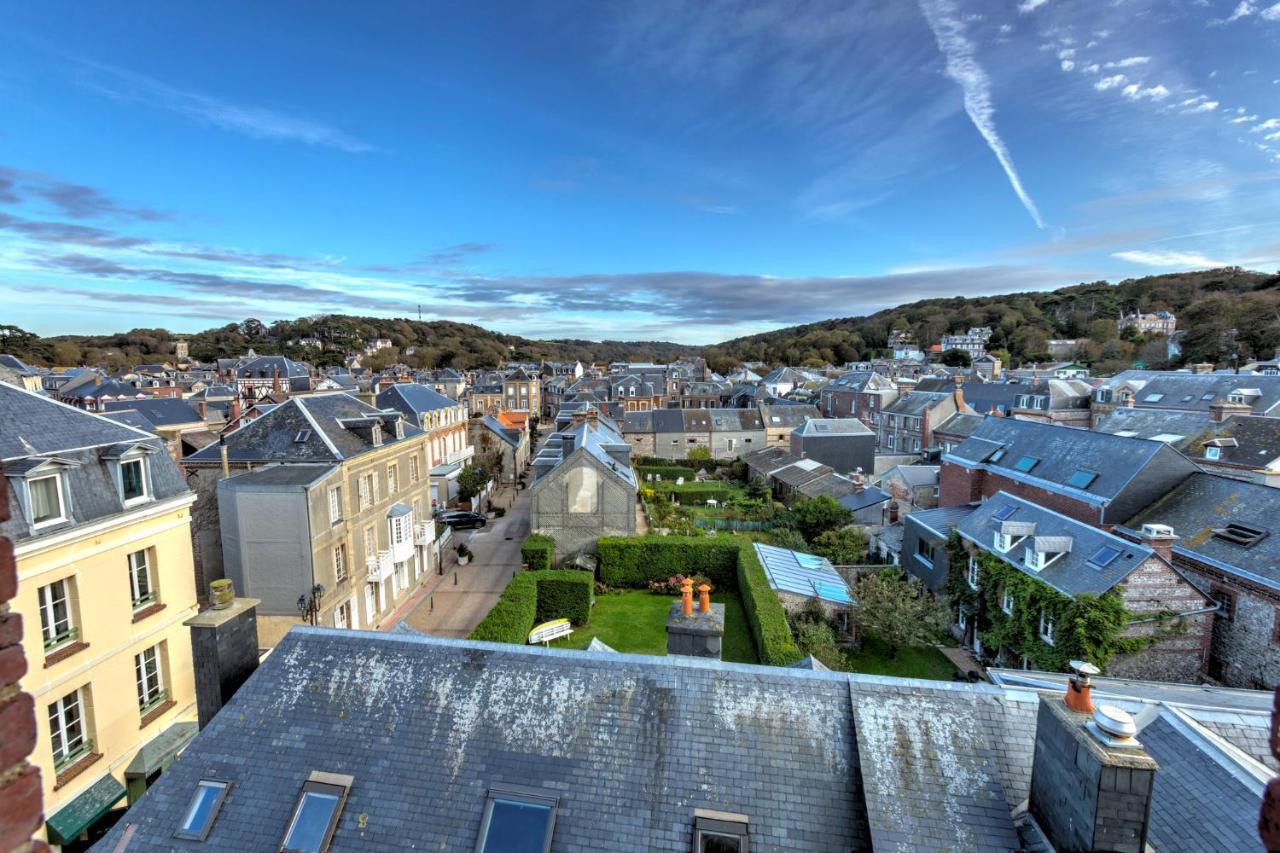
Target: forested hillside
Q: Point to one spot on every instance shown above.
(1225, 314)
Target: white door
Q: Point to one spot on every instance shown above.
(370, 606)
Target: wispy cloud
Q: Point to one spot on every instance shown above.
(963, 67)
(74, 200)
(1138, 92)
(1110, 82)
(1030, 5)
(251, 121)
(1127, 62)
(1185, 260)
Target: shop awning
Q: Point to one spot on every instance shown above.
(85, 810)
(158, 752)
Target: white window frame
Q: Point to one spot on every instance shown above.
(340, 562)
(148, 671)
(1006, 602)
(362, 487)
(1046, 628)
(415, 469)
(140, 566)
(48, 622)
(57, 490)
(141, 461)
(1213, 454)
(335, 504)
(971, 576)
(59, 729)
(393, 478)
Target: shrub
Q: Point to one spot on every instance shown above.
(693, 494)
(499, 512)
(538, 551)
(667, 472)
(674, 584)
(565, 594)
(699, 456)
(765, 615)
(633, 561)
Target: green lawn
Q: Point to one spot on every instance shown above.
(636, 621)
(912, 662)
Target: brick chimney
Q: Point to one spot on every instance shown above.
(957, 393)
(1159, 538)
(1091, 780)
(1220, 410)
(696, 633)
(203, 408)
(234, 415)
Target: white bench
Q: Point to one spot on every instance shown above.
(548, 631)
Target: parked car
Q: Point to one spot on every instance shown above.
(461, 518)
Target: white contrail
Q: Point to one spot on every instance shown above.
(962, 67)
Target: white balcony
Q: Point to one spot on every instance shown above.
(460, 455)
(380, 567)
(424, 533)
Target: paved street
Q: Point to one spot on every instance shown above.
(453, 610)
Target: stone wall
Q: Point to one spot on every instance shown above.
(1182, 652)
(1243, 651)
(615, 513)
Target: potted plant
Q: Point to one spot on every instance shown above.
(464, 554)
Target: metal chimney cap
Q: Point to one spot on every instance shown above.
(1083, 667)
(1114, 721)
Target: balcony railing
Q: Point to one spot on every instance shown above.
(459, 455)
(380, 567)
(424, 533)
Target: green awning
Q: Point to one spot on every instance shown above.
(158, 752)
(85, 810)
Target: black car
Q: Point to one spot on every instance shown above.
(460, 518)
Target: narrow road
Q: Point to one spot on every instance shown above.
(466, 593)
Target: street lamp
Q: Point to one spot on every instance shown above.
(309, 606)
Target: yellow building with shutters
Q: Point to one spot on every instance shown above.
(101, 530)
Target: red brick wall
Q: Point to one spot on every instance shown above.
(20, 790)
(960, 485)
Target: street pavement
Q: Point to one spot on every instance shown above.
(455, 603)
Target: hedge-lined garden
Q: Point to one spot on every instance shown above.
(729, 562)
(534, 597)
(538, 551)
(666, 472)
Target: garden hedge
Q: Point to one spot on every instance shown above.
(667, 472)
(729, 562)
(630, 562)
(533, 597)
(694, 494)
(538, 551)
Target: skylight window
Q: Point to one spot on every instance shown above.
(1153, 398)
(204, 807)
(1208, 396)
(302, 436)
(1026, 463)
(1081, 479)
(1104, 556)
(1240, 534)
(517, 820)
(1004, 512)
(1188, 398)
(997, 456)
(316, 815)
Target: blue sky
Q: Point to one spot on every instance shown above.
(683, 171)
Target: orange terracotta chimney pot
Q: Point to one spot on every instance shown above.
(686, 593)
(1079, 696)
(704, 598)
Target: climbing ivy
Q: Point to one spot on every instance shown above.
(1086, 627)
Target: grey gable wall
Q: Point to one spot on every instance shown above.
(1166, 470)
(271, 528)
(574, 532)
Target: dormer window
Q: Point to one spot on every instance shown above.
(376, 433)
(46, 500)
(133, 481)
(720, 832)
(1213, 453)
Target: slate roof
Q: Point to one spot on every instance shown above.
(868, 497)
(942, 520)
(279, 475)
(273, 437)
(129, 417)
(413, 400)
(510, 437)
(599, 440)
(961, 425)
(161, 411)
(14, 363)
(781, 415)
(1198, 391)
(631, 745)
(1061, 452)
(1178, 429)
(96, 391)
(1074, 573)
(1205, 502)
(916, 403)
(35, 429)
(1256, 441)
(915, 475)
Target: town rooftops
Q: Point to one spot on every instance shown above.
(1178, 429)
(915, 475)
(310, 428)
(1207, 512)
(803, 574)
(916, 403)
(289, 476)
(776, 415)
(161, 411)
(941, 520)
(1079, 559)
(413, 399)
(827, 427)
(1199, 391)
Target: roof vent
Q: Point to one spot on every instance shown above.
(1240, 534)
(1113, 727)
(1156, 530)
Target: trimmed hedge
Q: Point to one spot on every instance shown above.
(694, 494)
(765, 614)
(538, 551)
(729, 562)
(567, 595)
(630, 562)
(667, 472)
(564, 593)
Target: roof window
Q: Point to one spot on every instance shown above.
(203, 810)
(997, 456)
(1153, 398)
(1240, 534)
(1104, 556)
(1004, 512)
(719, 832)
(304, 435)
(1026, 463)
(517, 820)
(1081, 479)
(316, 815)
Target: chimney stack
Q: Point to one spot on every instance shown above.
(1091, 780)
(224, 648)
(686, 597)
(235, 409)
(1079, 696)
(704, 599)
(1159, 538)
(222, 451)
(1220, 410)
(203, 408)
(696, 633)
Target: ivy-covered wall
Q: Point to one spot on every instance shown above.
(1087, 627)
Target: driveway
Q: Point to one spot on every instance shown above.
(460, 599)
